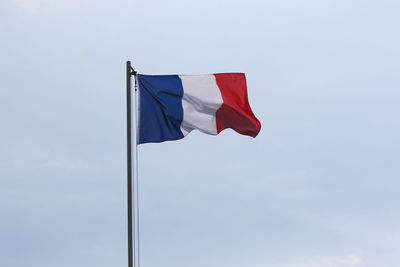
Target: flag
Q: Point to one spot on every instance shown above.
(171, 106)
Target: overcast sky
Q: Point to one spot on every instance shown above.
(317, 188)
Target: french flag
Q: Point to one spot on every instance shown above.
(171, 106)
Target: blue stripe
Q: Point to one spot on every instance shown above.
(161, 112)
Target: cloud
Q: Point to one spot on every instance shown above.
(340, 261)
(48, 7)
(318, 187)
(347, 260)
(35, 6)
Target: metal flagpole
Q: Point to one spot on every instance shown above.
(129, 160)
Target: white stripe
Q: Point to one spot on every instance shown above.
(201, 99)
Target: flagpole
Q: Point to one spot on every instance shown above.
(129, 160)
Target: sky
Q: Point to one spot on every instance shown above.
(318, 187)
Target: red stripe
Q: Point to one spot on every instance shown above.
(235, 112)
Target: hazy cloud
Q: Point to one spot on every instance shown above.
(318, 187)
